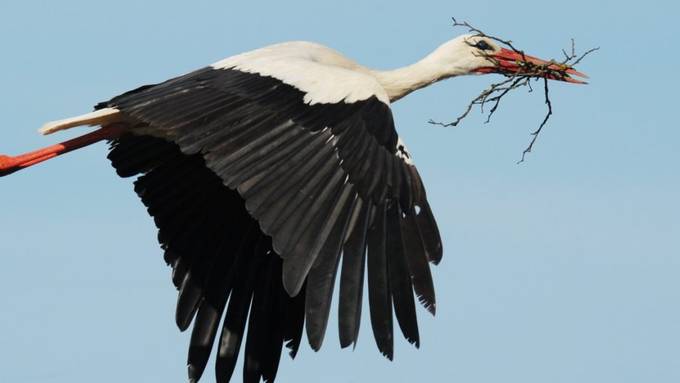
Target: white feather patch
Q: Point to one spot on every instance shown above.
(98, 117)
(324, 75)
(403, 153)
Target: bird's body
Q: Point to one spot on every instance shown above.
(270, 173)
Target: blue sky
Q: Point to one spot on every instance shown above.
(563, 269)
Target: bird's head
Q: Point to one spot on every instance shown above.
(475, 54)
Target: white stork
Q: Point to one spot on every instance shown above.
(260, 171)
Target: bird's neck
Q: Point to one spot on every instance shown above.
(402, 81)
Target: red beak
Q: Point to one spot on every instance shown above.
(511, 62)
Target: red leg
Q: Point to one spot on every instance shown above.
(9, 165)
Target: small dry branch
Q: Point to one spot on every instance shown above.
(529, 71)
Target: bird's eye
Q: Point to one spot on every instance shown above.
(483, 45)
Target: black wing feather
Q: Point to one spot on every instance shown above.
(379, 297)
(235, 319)
(188, 300)
(259, 328)
(217, 294)
(400, 278)
(321, 278)
(352, 277)
(417, 261)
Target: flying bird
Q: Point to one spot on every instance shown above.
(269, 175)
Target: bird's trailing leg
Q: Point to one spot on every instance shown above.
(11, 164)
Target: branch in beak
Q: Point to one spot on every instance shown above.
(517, 63)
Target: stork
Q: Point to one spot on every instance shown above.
(270, 173)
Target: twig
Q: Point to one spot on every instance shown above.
(535, 133)
(470, 28)
(528, 70)
(480, 100)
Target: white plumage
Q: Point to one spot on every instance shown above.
(324, 74)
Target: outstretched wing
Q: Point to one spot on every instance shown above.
(321, 179)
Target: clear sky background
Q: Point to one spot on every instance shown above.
(563, 269)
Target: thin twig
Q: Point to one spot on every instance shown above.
(470, 28)
(480, 100)
(535, 133)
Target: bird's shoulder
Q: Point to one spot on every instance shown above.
(323, 74)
